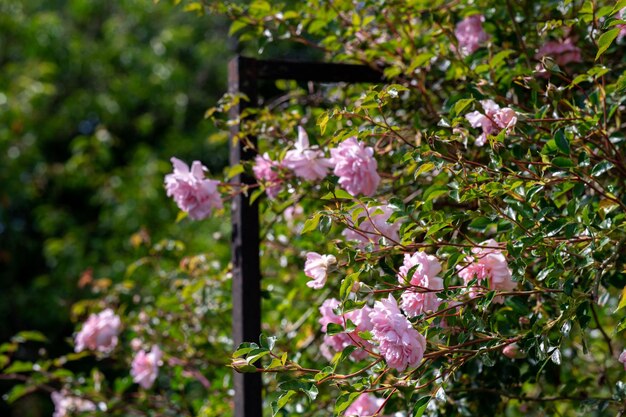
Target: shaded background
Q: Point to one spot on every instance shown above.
(95, 97)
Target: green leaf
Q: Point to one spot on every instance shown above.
(311, 224)
(334, 328)
(234, 170)
(324, 224)
(267, 342)
(605, 40)
(17, 392)
(436, 228)
(601, 168)
(460, 106)
(622, 301)
(307, 387)
(19, 366)
(182, 215)
(343, 356)
(29, 336)
(500, 57)
(561, 142)
(562, 162)
(281, 402)
(434, 192)
(347, 284)
(420, 406)
(618, 6)
(344, 401)
(236, 26)
(480, 224)
(255, 355)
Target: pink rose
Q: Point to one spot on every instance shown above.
(365, 405)
(305, 161)
(415, 301)
(145, 367)
(266, 170)
(622, 358)
(193, 193)
(492, 121)
(99, 332)
(399, 343)
(470, 34)
(338, 342)
(563, 52)
(488, 264)
(513, 351)
(355, 166)
(373, 226)
(316, 268)
(66, 405)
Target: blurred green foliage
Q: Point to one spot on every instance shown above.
(95, 97)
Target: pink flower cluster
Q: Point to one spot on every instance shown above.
(372, 225)
(563, 52)
(66, 405)
(145, 366)
(415, 301)
(353, 163)
(316, 268)
(488, 263)
(193, 193)
(493, 120)
(400, 344)
(365, 405)
(99, 332)
(307, 162)
(355, 166)
(470, 34)
(267, 171)
(338, 342)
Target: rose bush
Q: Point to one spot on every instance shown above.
(482, 186)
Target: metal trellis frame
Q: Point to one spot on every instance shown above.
(243, 76)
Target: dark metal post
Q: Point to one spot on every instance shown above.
(243, 74)
(242, 78)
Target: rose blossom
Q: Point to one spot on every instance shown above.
(316, 267)
(399, 343)
(563, 52)
(66, 405)
(415, 301)
(488, 264)
(365, 405)
(305, 161)
(266, 170)
(373, 226)
(493, 120)
(470, 34)
(622, 358)
(145, 367)
(338, 342)
(99, 332)
(513, 351)
(193, 193)
(355, 166)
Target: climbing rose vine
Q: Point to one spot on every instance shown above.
(448, 241)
